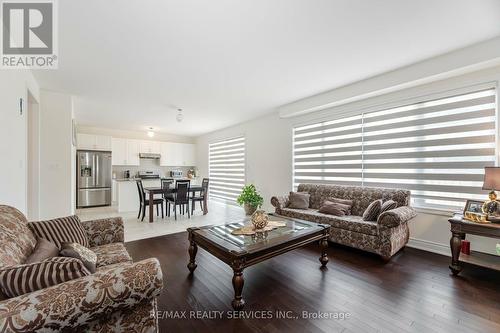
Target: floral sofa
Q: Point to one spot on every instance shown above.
(385, 237)
(119, 297)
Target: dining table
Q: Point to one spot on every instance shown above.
(151, 191)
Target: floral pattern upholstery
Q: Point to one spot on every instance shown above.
(361, 196)
(119, 297)
(394, 217)
(140, 319)
(109, 254)
(17, 241)
(104, 231)
(82, 301)
(348, 222)
(385, 237)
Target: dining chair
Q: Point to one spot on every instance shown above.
(143, 202)
(167, 185)
(184, 181)
(201, 197)
(181, 197)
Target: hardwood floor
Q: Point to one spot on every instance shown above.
(414, 292)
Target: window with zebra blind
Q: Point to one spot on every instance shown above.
(226, 168)
(436, 148)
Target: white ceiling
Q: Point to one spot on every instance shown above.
(132, 63)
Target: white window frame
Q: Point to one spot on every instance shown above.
(415, 95)
(221, 140)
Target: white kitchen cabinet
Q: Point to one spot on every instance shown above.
(177, 154)
(188, 154)
(113, 191)
(103, 142)
(85, 141)
(125, 152)
(93, 142)
(168, 154)
(152, 147)
(119, 151)
(133, 147)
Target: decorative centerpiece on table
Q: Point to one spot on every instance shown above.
(251, 230)
(259, 219)
(260, 226)
(491, 207)
(191, 173)
(250, 199)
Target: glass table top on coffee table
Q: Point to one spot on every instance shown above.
(292, 228)
(241, 251)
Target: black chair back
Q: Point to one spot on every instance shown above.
(182, 181)
(140, 189)
(182, 193)
(204, 186)
(165, 185)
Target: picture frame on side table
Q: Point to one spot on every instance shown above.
(473, 211)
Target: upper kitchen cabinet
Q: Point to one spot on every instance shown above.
(93, 142)
(152, 147)
(188, 154)
(119, 151)
(133, 147)
(177, 154)
(125, 152)
(168, 154)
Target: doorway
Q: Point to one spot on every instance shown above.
(33, 151)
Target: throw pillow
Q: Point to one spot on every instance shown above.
(334, 208)
(43, 250)
(75, 250)
(22, 279)
(388, 205)
(372, 211)
(343, 202)
(298, 200)
(65, 229)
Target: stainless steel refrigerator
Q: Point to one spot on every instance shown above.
(93, 178)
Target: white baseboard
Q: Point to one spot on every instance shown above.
(429, 246)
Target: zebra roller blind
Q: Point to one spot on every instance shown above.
(226, 168)
(437, 149)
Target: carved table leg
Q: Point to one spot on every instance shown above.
(455, 245)
(193, 249)
(324, 255)
(238, 301)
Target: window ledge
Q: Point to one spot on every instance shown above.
(435, 211)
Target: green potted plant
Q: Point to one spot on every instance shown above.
(250, 199)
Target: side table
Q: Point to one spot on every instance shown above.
(459, 228)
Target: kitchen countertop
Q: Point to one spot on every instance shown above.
(134, 179)
(126, 179)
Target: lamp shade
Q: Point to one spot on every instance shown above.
(491, 178)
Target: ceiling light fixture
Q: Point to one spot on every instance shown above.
(150, 132)
(179, 116)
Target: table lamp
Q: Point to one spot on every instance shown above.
(491, 182)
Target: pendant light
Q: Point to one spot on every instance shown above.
(179, 116)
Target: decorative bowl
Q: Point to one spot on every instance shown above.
(259, 219)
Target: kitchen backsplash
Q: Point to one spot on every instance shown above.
(147, 165)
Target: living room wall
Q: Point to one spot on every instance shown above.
(14, 84)
(269, 155)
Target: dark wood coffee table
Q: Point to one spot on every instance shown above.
(240, 251)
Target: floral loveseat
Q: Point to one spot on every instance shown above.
(119, 297)
(386, 236)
